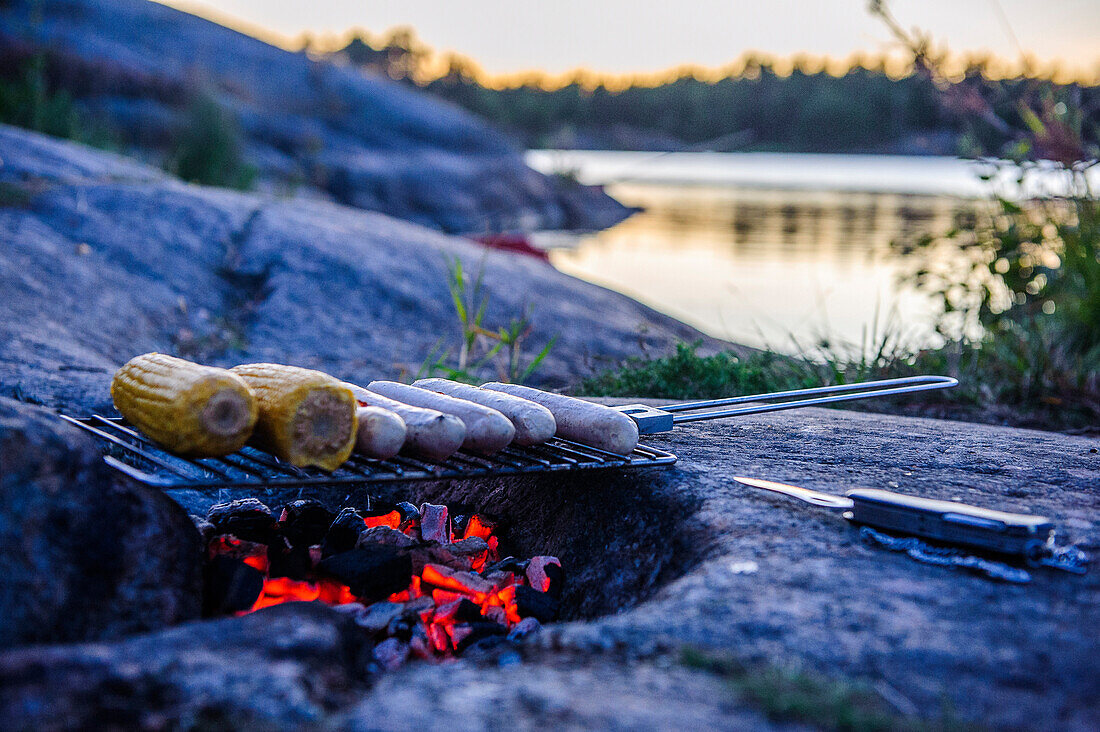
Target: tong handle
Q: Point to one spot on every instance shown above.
(809, 397)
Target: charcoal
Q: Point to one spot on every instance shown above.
(556, 575)
(371, 573)
(497, 614)
(401, 627)
(479, 525)
(417, 607)
(446, 578)
(468, 634)
(531, 603)
(285, 560)
(490, 643)
(468, 547)
(436, 554)
(385, 536)
(418, 643)
(524, 628)
(379, 615)
(508, 564)
(458, 524)
(500, 580)
(354, 609)
(343, 533)
(391, 653)
(442, 597)
(459, 611)
(230, 586)
(409, 514)
(434, 524)
(246, 518)
(438, 638)
(383, 514)
(468, 612)
(230, 546)
(544, 573)
(206, 529)
(305, 522)
(376, 507)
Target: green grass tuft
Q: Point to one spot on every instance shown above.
(1005, 380)
(793, 695)
(687, 375)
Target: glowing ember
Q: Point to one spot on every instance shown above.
(459, 591)
(391, 519)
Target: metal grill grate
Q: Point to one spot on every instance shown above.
(133, 454)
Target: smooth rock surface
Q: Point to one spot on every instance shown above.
(310, 128)
(284, 667)
(83, 555)
(767, 579)
(105, 259)
(575, 694)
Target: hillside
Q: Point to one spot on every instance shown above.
(144, 79)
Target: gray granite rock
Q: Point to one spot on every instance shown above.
(104, 259)
(84, 556)
(573, 694)
(766, 579)
(284, 667)
(309, 126)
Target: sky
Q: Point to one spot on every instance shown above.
(642, 36)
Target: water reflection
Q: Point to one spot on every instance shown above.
(768, 268)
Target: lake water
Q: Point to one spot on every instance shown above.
(766, 249)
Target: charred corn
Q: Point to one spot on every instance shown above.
(306, 417)
(193, 410)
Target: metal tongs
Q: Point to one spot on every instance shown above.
(652, 420)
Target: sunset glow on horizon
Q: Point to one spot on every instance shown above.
(618, 43)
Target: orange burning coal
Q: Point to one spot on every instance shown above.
(423, 584)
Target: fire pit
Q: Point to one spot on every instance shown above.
(419, 581)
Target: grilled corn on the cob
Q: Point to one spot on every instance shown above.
(306, 417)
(190, 409)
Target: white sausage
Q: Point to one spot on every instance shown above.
(429, 433)
(534, 423)
(581, 421)
(381, 433)
(487, 430)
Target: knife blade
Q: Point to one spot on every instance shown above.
(817, 498)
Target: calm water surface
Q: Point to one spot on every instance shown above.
(782, 264)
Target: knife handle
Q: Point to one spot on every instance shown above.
(948, 521)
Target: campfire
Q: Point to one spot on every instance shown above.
(422, 582)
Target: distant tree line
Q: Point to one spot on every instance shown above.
(864, 110)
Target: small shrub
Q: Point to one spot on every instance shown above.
(210, 149)
(480, 346)
(26, 101)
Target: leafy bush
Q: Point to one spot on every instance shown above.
(26, 101)
(210, 149)
(1019, 287)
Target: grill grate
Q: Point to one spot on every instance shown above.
(133, 454)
